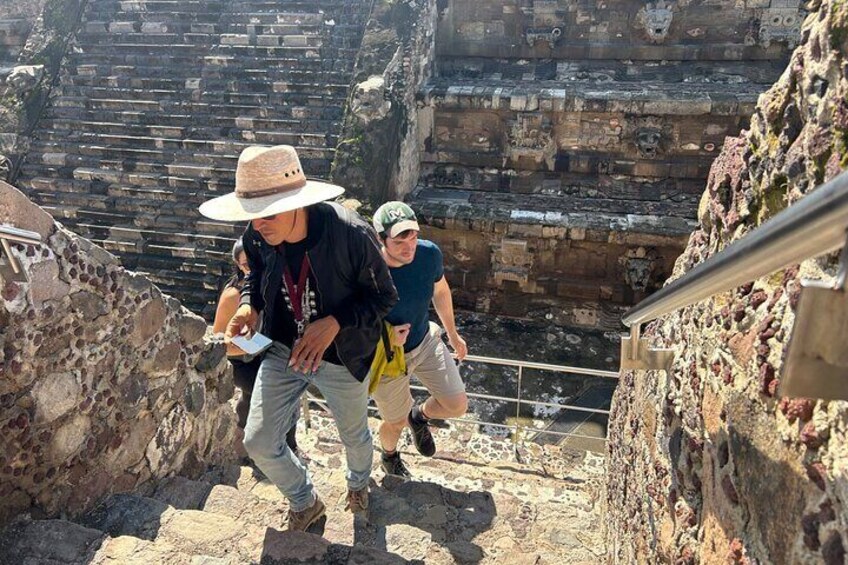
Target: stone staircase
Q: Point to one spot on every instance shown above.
(154, 105)
(472, 503)
(565, 145)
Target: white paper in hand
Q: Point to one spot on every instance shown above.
(253, 346)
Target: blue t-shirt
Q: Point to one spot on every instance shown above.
(414, 284)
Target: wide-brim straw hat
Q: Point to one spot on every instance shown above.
(269, 180)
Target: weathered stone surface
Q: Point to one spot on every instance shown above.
(128, 515)
(17, 210)
(698, 458)
(55, 396)
(48, 541)
(98, 380)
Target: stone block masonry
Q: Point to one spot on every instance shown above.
(105, 382)
(580, 133)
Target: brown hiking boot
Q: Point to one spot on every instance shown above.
(357, 500)
(300, 521)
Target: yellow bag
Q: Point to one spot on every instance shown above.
(388, 360)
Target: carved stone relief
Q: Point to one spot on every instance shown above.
(781, 24)
(535, 35)
(655, 20)
(511, 261)
(651, 135)
(638, 266)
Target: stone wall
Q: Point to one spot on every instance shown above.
(707, 464)
(105, 382)
(620, 29)
(34, 35)
(377, 158)
(571, 271)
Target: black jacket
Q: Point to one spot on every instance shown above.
(352, 279)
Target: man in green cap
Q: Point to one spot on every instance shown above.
(418, 274)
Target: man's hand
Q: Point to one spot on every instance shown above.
(400, 334)
(309, 350)
(245, 317)
(458, 345)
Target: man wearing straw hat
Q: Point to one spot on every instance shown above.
(318, 278)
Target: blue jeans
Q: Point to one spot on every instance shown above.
(276, 396)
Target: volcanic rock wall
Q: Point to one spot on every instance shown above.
(105, 382)
(706, 464)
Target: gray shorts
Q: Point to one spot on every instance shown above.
(432, 364)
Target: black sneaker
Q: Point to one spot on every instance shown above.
(421, 436)
(393, 465)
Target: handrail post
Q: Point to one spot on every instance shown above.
(516, 437)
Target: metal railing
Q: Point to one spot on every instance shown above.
(813, 226)
(517, 428)
(10, 268)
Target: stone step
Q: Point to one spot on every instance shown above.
(178, 125)
(187, 65)
(61, 153)
(247, 52)
(49, 541)
(163, 37)
(80, 212)
(181, 86)
(200, 143)
(118, 24)
(62, 166)
(58, 129)
(280, 96)
(192, 108)
(228, 74)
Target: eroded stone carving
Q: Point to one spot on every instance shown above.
(781, 24)
(530, 132)
(512, 261)
(655, 19)
(651, 135)
(638, 265)
(535, 34)
(5, 168)
(442, 176)
(24, 77)
(531, 136)
(369, 103)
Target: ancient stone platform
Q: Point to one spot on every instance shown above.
(472, 503)
(564, 144)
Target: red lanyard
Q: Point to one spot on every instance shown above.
(296, 292)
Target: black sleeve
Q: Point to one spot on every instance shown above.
(377, 293)
(251, 292)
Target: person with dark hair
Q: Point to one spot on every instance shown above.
(321, 288)
(245, 367)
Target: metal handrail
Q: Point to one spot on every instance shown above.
(814, 225)
(517, 427)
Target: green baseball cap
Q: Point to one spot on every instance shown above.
(394, 217)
